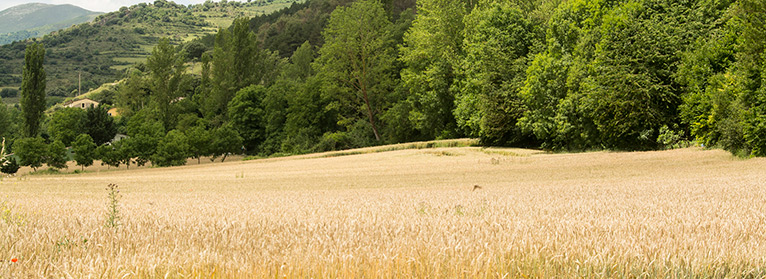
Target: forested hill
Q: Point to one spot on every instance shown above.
(100, 50)
(36, 19)
(286, 30)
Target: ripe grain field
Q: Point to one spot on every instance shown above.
(405, 213)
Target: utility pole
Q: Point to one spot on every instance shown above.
(79, 83)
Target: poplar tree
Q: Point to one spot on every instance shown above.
(33, 89)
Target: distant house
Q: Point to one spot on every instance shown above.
(118, 137)
(83, 104)
(113, 112)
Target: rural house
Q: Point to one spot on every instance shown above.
(83, 104)
(113, 112)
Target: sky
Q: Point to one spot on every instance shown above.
(93, 5)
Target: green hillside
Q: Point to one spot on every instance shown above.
(100, 50)
(36, 19)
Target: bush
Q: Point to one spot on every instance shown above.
(31, 152)
(9, 93)
(9, 165)
(172, 150)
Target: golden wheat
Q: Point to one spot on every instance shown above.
(405, 213)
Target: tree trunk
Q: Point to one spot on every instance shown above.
(369, 113)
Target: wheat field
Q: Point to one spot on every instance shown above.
(403, 213)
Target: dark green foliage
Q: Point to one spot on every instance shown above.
(109, 155)
(66, 124)
(172, 150)
(498, 44)
(166, 76)
(84, 150)
(33, 89)
(144, 134)
(247, 116)
(431, 53)
(9, 118)
(57, 155)
(31, 152)
(9, 92)
(9, 165)
(237, 62)
(356, 62)
(99, 125)
(133, 94)
(225, 141)
(200, 141)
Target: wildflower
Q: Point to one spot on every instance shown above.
(14, 260)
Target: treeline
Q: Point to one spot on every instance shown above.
(560, 75)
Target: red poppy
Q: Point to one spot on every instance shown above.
(14, 260)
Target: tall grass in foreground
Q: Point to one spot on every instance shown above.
(408, 213)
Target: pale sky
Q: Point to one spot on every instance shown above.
(93, 5)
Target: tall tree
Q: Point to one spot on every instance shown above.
(166, 79)
(431, 53)
(357, 61)
(33, 89)
(232, 67)
(498, 44)
(247, 116)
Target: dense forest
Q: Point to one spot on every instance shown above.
(558, 75)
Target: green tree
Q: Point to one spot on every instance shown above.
(167, 69)
(234, 66)
(99, 125)
(247, 116)
(133, 94)
(725, 101)
(307, 119)
(357, 61)
(57, 155)
(145, 132)
(431, 53)
(84, 150)
(172, 150)
(33, 89)
(200, 142)
(108, 155)
(8, 126)
(124, 152)
(225, 141)
(31, 152)
(632, 92)
(498, 45)
(66, 124)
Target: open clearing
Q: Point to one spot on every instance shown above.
(405, 213)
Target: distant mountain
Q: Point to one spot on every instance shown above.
(36, 20)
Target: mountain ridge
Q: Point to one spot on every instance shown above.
(37, 19)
